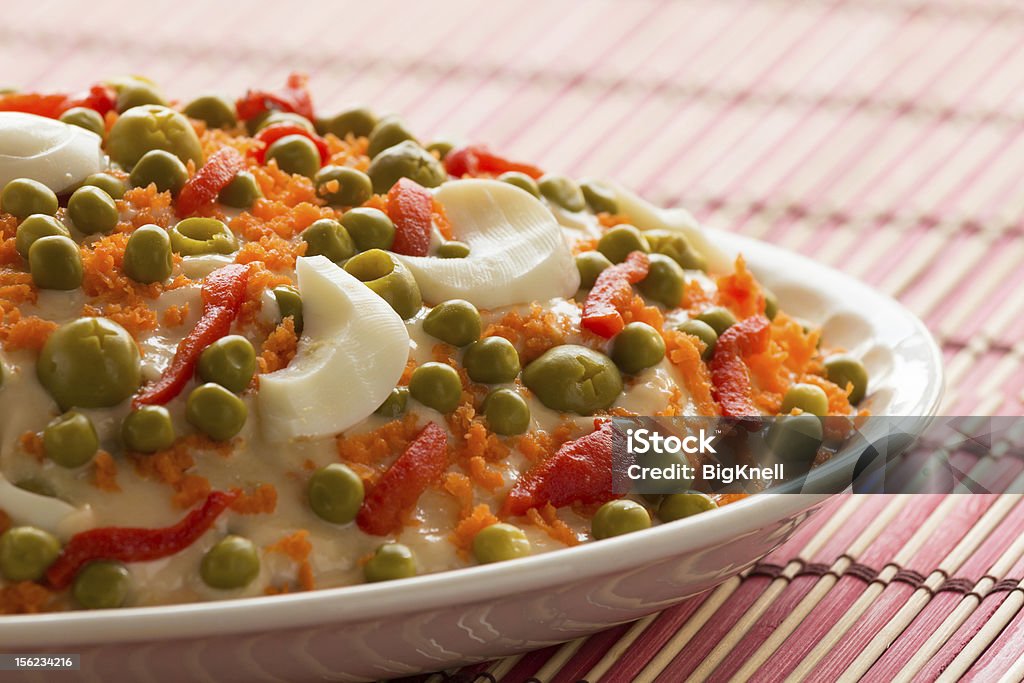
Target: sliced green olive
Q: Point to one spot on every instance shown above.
(500, 542)
(335, 493)
(70, 440)
(197, 236)
(455, 322)
(492, 360)
(574, 379)
(390, 561)
(619, 517)
(389, 278)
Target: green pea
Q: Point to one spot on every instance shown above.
(405, 160)
(395, 404)
(679, 505)
(329, 238)
(600, 197)
(390, 561)
(369, 228)
(637, 347)
(500, 542)
(718, 318)
(590, 264)
(453, 249)
(213, 110)
(106, 182)
(507, 412)
(26, 553)
(704, 332)
(102, 585)
(440, 148)
(70, 440)
(92, 210)
(771, 304)
(492, 360)
(23, 197)
(160, 168)
(230, 362)
(619, 517)
(436, 386)
(522, 181)
(137, 93)
(242, 192)
(55, 263)
(844, 370)
(216, 412)
(354, 187)
(335, 493)
(86, 118)
(562, 191)
(295, 154)
(149, 127)
(148, 429)
(89, 363)
(147, 255)
(795, 438)
(287, 117)
(388, 132)
(289, 303)
(677, 247)
(809, 398)
(389, 278)
(574, 379)
(34, 227)
(357, 121)
(621, 241)
(233, 563)
(197, 236)
(455, 322)
(664, 282)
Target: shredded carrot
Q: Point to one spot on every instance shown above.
(24, 597)
(695, 297)
(460, 488)
(740, 292)
(25, 333)
(279, 348)
(137, 320)
(104, 474)
(32, 444)
(639, 311)
(298, 548)
(440, 219)
(484, 475)
(373, 448)
(410, 367)
(260, 501)
(533, 333)
(546, 518)
(838, 397)
(538, 445)
(147, 206)
(172, 466)
(175, 316)
(9, 255)
(684, 350)
(467, 529)
(260, 280)
(610, 220)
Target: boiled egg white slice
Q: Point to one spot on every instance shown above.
(53, 153)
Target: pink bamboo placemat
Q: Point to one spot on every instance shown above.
(883, 138)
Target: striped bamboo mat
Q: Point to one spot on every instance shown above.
(881, 137)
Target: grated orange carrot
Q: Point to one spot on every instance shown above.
(172, 466)
(298, 548)
(440, 219)
(175, 316)
(104, 473)
(32, 444)
(483, 475)
(459, 487)
(260, 501)
(546, 518)
(373, 448)
(24, 597)
(740, 292)
(468, 527)
(533, 333)
(24, 333)
(279, 348)
(684, 350)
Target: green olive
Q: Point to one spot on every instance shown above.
(771, 304)
(230, 362)
(677, 247)
(148, 429)
(795, 438)
(328, 237)
(287, 117)
(679, 505)
(102, 585)
(522, 181)
(216, 412)
(92, 210)
(718, 318)
(70, 440)
(197, 236)
(844, 370)
(455, 322)
(390, 561)
(395, 404)
(619, 517)
(388, 132)
(453, 249)
(621, 241)
(664, 282)
(507, 412)
(600, 196)
(405, 160)
(369, 228)
(500, 542)
(148, 127)
(440, 148)
(89, 363)
(809, 398)
(335, 493)
(289, 303)
(26, 553)
(574, 379)
(106, 182)
(357, 121)
(55, 263)
(23, 197)
(562, 191)
(436, 386)
(147, 256)
(242, 192)
(86, 118)
(213, 110)
(492, 360)
(389, 278)
(590, 264)
(136, 93)
(704, 332)
(160, 168)
(34, 227)
(295, 154)
(637, 347)
(233, 563)
(353, 186)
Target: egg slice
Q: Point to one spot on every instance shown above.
(43, 512)
(352, 353)
(56, 154)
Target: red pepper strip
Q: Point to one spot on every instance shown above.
(203, 188)
(612, 291)
(476, 160)
(135, 545)
(730, 380)
(411, 207)
(294, 97)
(396, 493)
(272, 134)
(579, 472)
(223, 292)
(100, 98)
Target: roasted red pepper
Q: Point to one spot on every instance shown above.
(223, 292)
(579, 472)
(475, 160)
(730, 379)
(294, 97)
(275, 132)
(203, 188)
(135, 545)
(612, 291)
(410, 207)
(397, 491)
(100, 98)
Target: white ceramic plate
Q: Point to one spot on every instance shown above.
(440, 620)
